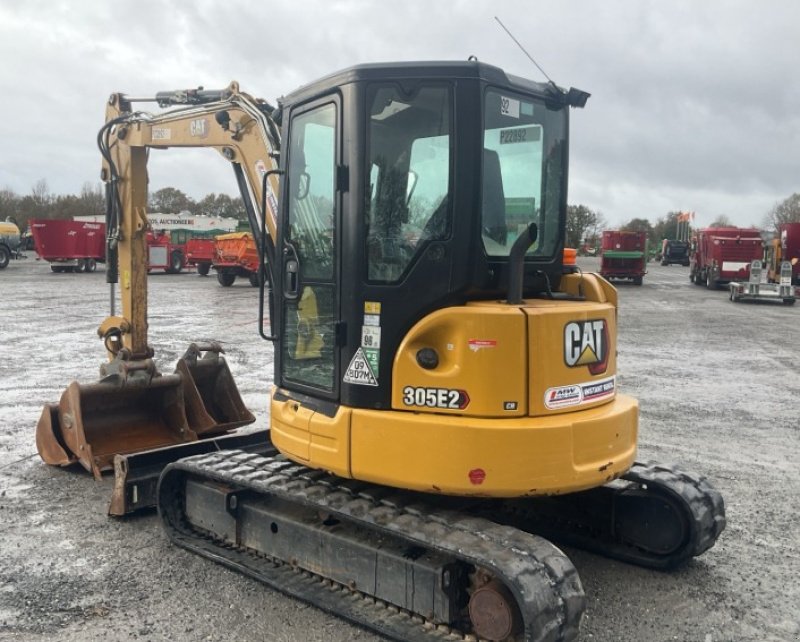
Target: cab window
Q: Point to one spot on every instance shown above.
(407, 197)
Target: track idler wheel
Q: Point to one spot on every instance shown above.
(494, 613)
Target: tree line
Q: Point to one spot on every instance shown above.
(91, 201)
(585, 226)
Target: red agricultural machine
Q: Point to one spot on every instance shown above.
(69, 246)
(200, 254)
(624, 255)
(78, 246)
(720, 255)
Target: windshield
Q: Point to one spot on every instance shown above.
(522, 172)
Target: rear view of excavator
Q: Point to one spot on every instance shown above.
(445, 393)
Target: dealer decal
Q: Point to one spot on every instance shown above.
(576, 395)
(446, 398)
(586, 344)
(562, 396)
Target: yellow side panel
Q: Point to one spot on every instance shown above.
(589, 285)
(330, 442)
(289, 428)
(511, 457)
(481, 352)
(566, 343)
(311, 437)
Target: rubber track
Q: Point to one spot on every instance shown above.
(701, 499)
(543, 580)
(700, 503)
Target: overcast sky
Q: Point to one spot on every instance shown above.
(695, 103)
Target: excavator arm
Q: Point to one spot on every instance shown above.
(240, 127)
(134, 408)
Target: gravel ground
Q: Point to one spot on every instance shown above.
(718, 385)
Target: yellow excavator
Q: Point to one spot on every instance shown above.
(445, 392)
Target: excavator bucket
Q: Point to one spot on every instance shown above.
(49, 442)
(94, 422)
(213, 403)
(134, 411)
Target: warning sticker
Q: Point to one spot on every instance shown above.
(372, 307)
(359, 371)
(372, 319)
(479, 344)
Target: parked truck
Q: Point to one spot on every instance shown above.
(720, 255)
(9, 242)
(235, 254)
(784, 248)
(163, 254)
(624, 255)
(673, 251)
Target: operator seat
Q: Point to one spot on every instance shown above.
(493, 209)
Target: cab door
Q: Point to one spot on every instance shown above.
(309, 251)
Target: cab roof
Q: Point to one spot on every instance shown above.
(448, 70)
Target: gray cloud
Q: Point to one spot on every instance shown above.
(694, 105)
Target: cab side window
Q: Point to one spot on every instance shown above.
(408, 194)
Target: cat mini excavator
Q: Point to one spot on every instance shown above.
(445, 390)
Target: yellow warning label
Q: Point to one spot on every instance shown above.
(372, 307)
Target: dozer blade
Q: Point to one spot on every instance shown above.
(94, 422)
(213, 402)
(136, 475)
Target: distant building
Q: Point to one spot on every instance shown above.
(182, 226)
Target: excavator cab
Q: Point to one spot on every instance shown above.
(381, 205)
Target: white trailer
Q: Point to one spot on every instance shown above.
(757, 287)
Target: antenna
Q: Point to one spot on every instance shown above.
(510, 35)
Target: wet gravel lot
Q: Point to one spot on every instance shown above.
(718, 384)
